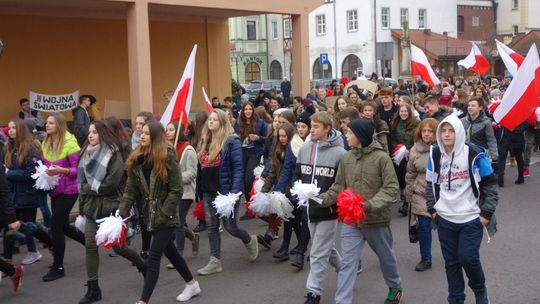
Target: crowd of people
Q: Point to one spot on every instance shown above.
(155, 174)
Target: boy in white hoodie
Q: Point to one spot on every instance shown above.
(457, 173)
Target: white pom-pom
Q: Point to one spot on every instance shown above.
(43, 180)
(258, 184)
(80, 223)
(281, 205)
(400, 153)
(111, 232)
(224, 204)
(305, 192)
(258, 171)
(260, 204)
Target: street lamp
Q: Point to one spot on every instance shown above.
(237, 54)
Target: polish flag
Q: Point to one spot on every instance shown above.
(420, 66)
(209, 106)
(511, 59)
(521, 98)
(180, 103)
(475, 62)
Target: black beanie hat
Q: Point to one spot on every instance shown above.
(363, 128)
(305, 117)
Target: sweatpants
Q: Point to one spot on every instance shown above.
(92, 256)
(323, 252)
(61, 207)
(352, 242)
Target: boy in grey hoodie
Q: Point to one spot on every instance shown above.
(457, 173)
(317, 162)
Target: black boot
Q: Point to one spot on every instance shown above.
(93, 294)
(404, 209)
(298, 261)
(282, 254)
(520, 180)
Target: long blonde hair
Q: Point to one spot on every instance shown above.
(55, 142)
(213, 141)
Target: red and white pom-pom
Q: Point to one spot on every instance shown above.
(350, 207)
(224, 204)
(399, 154)
(258, 183)
(260, 204)
(111, 232)
(80, 223)
(43, 180)
(198, 211)
(249, 212)
(257, 172)
(304, 192)
(281, 205)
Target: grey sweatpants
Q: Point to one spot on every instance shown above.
(323, 251)
(352, 242)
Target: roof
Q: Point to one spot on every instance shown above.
(522, 43)
(436, 45)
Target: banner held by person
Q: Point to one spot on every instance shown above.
(53, 103)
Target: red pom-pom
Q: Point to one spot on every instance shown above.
(198, 211)
(350, 207)
(249, 212)
(120, 242)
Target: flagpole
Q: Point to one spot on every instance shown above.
(178, 129)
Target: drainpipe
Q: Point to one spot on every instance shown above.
(375, 39)
(335, 42)
(267, 50)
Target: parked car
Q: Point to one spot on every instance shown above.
(253, 88)
(388, 82)
(321, 83)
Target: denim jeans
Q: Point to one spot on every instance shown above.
(424, 236)
(460, 245)
(229, 223)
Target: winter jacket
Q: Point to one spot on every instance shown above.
(7, 213)
(67, 158)
(260, 129)
(318, 162)
(188, 169)
(105, 201)
(159, 200)
(381, 133)
(21, 183)
(369, 172)
(415, 189)
(273, 175)
(480, 132)
(483, 182)
(513, 139)
(441, 114)
(287, 171)
(401, 134)
(81, 122)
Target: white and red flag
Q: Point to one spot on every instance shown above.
(511, 59)
(180, 104)
(420, 66)
(475, 61)
(209, 106)
(521, 98)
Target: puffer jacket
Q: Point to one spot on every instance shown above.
(21, 183)
(67, 158)
(480, 132)
(188, 168)
(231, 171)
(415, 189)
(369, 172)
(261, 130)
(159, 200)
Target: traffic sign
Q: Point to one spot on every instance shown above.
(324, 58)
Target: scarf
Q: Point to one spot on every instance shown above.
(93, 165)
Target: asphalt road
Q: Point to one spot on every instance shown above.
(511, 263)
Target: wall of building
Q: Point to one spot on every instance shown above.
(485, 30)
(507, 17)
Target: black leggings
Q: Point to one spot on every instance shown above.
(503, 152)
(290, 226)
(61, 206)
(251, 161)
(162, 244)
(183, 232)
(145, 234)
(7, 268)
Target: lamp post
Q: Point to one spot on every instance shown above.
(237, 54)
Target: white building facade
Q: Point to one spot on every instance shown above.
(517, 16)
(348, 31)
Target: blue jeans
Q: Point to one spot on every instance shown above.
(424, 236)
(460, 245)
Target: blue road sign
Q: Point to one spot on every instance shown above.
(324, 58)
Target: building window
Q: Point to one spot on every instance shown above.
(515, 30)
(274, 30)
(350, 66)
(385, 18)
(253, 72)
(352, 20)
(319, 72)
(422, 18)
(251, 30)
(460, 24)
(475, 21)
(287, 28)
(404, 16)
(276, 72)
(321, 24)
(515, 4)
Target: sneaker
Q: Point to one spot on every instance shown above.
(394, 296)
(189, 292)
(481, 296)
(16, 279)
(195, 244)
(265, 240)
(54, 273)
(220, 227)
(213, 266)
(31, 258)
(298, 261)
(253, 248)
(526, 172)
(312, 299)
(423, 265)
(282, 255)
(295, 250)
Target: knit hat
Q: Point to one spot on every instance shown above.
(305, 117)
(363, 128)
(494, 92)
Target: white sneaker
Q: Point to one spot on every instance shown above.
(31, 258)
(213, 266)
(189, 292)
(253, 248)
